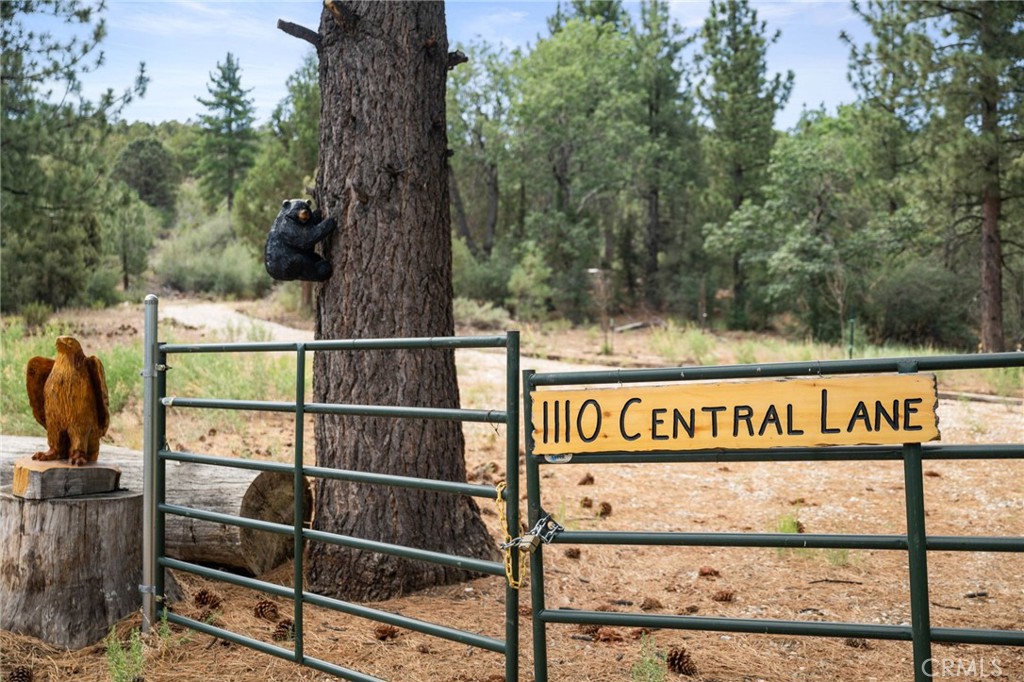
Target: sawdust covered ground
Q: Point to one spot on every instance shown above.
(966, 589)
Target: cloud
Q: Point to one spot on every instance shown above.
(186, 20)
(507, 27)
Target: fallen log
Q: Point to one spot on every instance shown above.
(266, 496)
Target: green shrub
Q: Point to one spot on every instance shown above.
(480, 315)
(36, 315)
(689, 344)
(529, 285)
(125, 664)
(482, 279)
(652, 666)
(208, 259)
(921, 303)
(101, 287)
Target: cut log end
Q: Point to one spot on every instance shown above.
(271, 497)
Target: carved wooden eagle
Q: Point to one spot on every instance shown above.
(68, 396)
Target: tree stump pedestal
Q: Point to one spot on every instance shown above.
(70, 567)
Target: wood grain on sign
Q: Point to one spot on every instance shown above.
(847, 410)
(35, 480)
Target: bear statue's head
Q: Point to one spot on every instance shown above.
(297, 210)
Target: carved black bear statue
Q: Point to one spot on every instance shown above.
(296, 230)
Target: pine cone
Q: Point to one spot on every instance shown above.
(588, 479)
(605, 510)
(724, 595)
(650, 604)
(285, 631)
(606, 634)
(587, 503)
(205, 597)
(20, 674)
(384, 632)
(266, 609)
(708, 572)
(680, 662)
(572, 552)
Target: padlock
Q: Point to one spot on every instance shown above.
(529, 542)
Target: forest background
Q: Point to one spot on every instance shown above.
(620, 165)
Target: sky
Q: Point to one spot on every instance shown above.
(181, 42)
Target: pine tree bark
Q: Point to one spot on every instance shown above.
(383, 174)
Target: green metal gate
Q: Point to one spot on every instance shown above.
(157, 454)
(915, 542)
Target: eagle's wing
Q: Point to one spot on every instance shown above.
(99, 391)
(36, 374)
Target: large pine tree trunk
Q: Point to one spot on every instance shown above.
(383, 175)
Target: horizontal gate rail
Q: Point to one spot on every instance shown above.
(369, 613)
(970, 543)
(839, 453)
(468, 489)
(924, 363)
(157, 454)
(915, 541)
(486, 416)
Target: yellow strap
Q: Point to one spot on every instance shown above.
(499, 501)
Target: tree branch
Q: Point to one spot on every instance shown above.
(300, 32)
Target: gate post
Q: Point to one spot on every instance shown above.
(920, 616)
(917, 552)
(533, 511)
(149, 448)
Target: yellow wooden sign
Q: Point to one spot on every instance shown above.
(848, 410)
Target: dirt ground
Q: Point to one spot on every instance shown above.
(985, 590)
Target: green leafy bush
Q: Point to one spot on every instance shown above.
(921, 303)
(480, 315)
(208, 259)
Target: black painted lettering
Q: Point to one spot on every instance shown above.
(678, 420)
(742, 413)
(657, 421)
(824, 413)
(557, 413)
(622, 420)
(714, 417)
(790, 430)
(772, 417)
(893, 420)
(568, 428)
(908, 410)
(860, 413)
(597, 425)
(545, 438)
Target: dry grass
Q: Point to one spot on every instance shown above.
(962, 498)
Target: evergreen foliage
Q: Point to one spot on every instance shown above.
(287, 156)
(52, 168)
(227, 146)
(147, 167)
(617, 149)
(741, 102)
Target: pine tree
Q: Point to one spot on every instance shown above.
(669, 158)
(52, 169)
(227, 146)
(958, 68)
(382, 175)
(741, 101)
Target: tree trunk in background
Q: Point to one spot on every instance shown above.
(383, 175)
